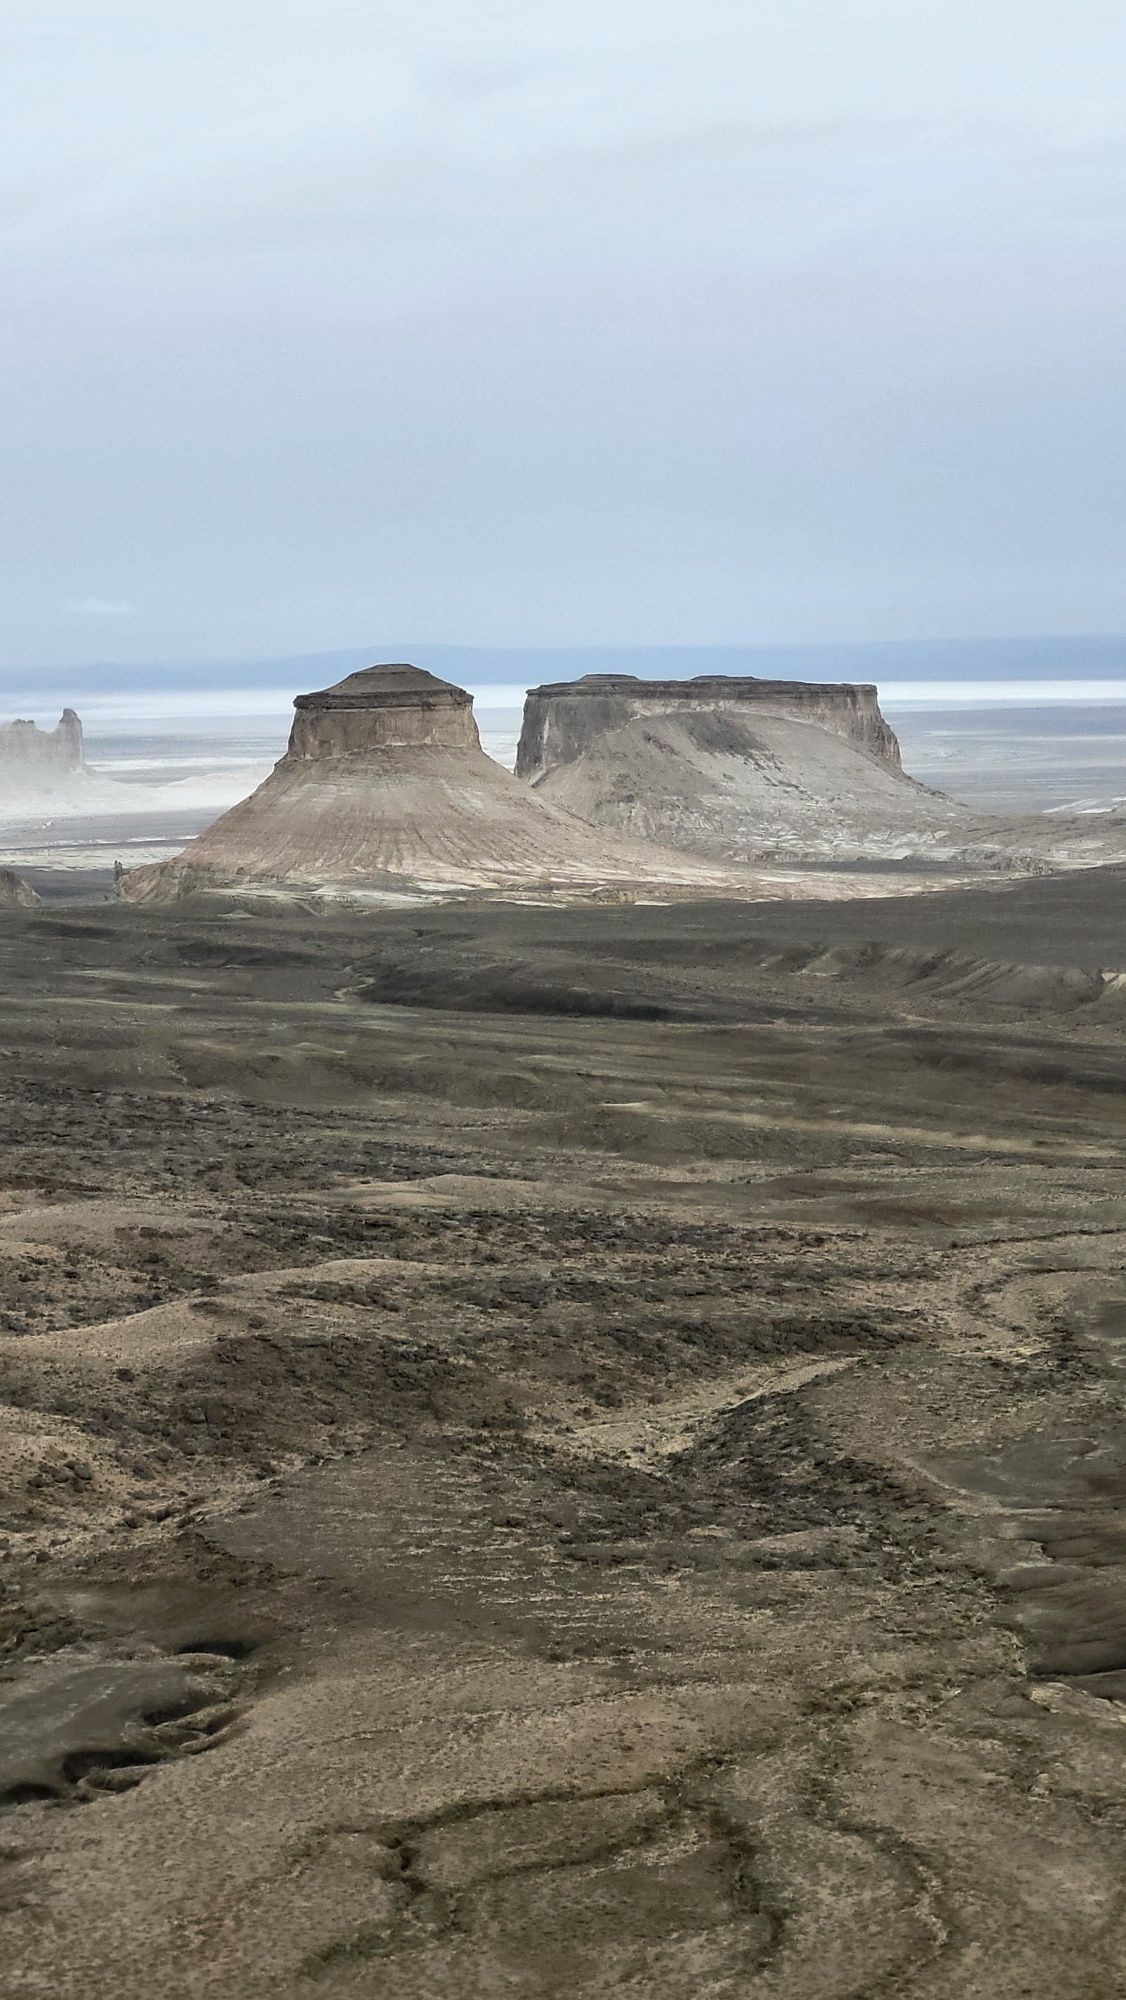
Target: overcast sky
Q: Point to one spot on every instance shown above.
(602, 320)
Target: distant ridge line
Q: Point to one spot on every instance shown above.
(1052, 657)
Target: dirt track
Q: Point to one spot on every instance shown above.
(576, 1452)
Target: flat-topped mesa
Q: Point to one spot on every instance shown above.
(734, 769)
(393, 707)
(384, 787)
(564, 718)
(24, 747)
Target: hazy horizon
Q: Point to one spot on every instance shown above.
(1076, 667)
(519, 324)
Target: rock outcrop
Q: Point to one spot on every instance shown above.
(15, 893)
(738, 770)
(382, 708)
(385, 787)
(46, 769)
(566, 718)
(26, 747)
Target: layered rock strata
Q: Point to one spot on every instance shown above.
(384, 786)
(564, 719)
(746, 771)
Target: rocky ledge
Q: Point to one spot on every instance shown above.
(382, 708)
(564, 718)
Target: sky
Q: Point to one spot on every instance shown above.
(730, 322)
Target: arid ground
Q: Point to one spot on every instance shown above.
(559, 1452)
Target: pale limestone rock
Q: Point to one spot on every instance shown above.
(385, 787)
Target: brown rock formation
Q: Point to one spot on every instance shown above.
(736, 769)
(564, 719)
(385, 786)
(383, 708)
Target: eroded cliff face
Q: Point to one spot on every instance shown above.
(44, 771)
(752, 772)
(396, 707)
(28, 752)
(385, 785)
(564, 719)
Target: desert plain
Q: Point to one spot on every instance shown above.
(565, 1450)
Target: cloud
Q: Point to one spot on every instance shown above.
(517, 325)
(100, 607)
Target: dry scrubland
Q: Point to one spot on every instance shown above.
(560, 1452)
